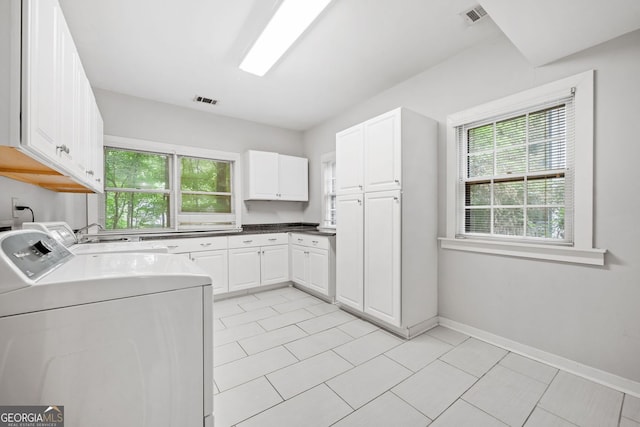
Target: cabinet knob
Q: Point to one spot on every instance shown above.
(247, 241)
(272, 240)
(359, 202)
(172, 246)
(360, 186)
(315, 242)
(63, 148)
(397, 181)
(205, 244)
(396, 199)
(90, 172)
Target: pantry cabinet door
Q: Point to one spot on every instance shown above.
(349, 251)
(382, 152)
(349, 160)
(382, 256)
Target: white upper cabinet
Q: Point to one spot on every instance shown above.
(350, 151)
(273, 176)
(382, 152)
(57, 114)
(373, 152)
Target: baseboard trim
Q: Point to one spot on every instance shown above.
(593, 374)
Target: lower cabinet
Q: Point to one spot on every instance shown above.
(313, 262)
(256, 260)
(216, 265)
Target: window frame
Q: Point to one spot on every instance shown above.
(581, 250)
(96, 203)
(325, 160)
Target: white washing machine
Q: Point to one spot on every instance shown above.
(117, 339)
(62, 232)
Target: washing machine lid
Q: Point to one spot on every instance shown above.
(86, 279)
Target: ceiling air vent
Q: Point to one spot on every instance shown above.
(475, 14)
(204, 100)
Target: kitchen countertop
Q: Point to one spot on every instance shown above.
(288, 227)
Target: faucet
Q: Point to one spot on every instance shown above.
(80, 231)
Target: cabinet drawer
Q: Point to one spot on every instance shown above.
(196, 244)
(249, 240)
(309, 240)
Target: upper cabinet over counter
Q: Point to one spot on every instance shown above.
(50, 127)
(273, 176)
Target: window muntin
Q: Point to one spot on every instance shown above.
(141, 188)
(515, 176)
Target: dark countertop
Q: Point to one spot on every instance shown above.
(288, 227)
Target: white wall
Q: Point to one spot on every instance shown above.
(139, 118)
(47, 205)
(587, 314)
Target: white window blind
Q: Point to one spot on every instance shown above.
(516, 176)
(329, 178)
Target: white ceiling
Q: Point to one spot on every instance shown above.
(171, 51)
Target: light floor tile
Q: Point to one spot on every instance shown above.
(387, 410)
(227, 353)
(474, 356)
(631, 408)
(318, 407)
(242, 402)
(626, 422)
(251, 367)
(236, 333)
(358, 328)
(247, 317)
(318, 343)
(462, 414)
(321, 309)
(326, 321)
(536, 370)
(302, 376)
(363, 383)
(434, 388)
(542, 418)
(285, 319)
(507, 395)
(447, 335)
(271, 339)
(581, 401)
(367, 347)
(217, 325)
(296, 304)
(271, 293)
(223, 309)
(419, 352)
(292, 293)
(259, 303)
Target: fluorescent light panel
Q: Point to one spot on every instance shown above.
(291, 19)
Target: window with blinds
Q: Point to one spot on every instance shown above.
(516, 175)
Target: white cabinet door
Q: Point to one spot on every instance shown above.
(349, 247)
(68, 63)
(382, 152)
(382, 256)
(261, 175)
(274, 264)
(349, 160)
(293, 173)
(215, 264)
(298, 264)
(318, 270)
(244, 268)
(42, 68)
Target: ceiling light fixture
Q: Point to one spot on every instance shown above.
(291, 19)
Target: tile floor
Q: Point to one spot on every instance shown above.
(284, 358)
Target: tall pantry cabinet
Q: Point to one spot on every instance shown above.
(386, 177)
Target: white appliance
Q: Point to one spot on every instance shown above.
(118, 339)
(62, 232)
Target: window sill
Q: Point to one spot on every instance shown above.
(525, 250)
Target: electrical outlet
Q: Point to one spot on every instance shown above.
(15, 202)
